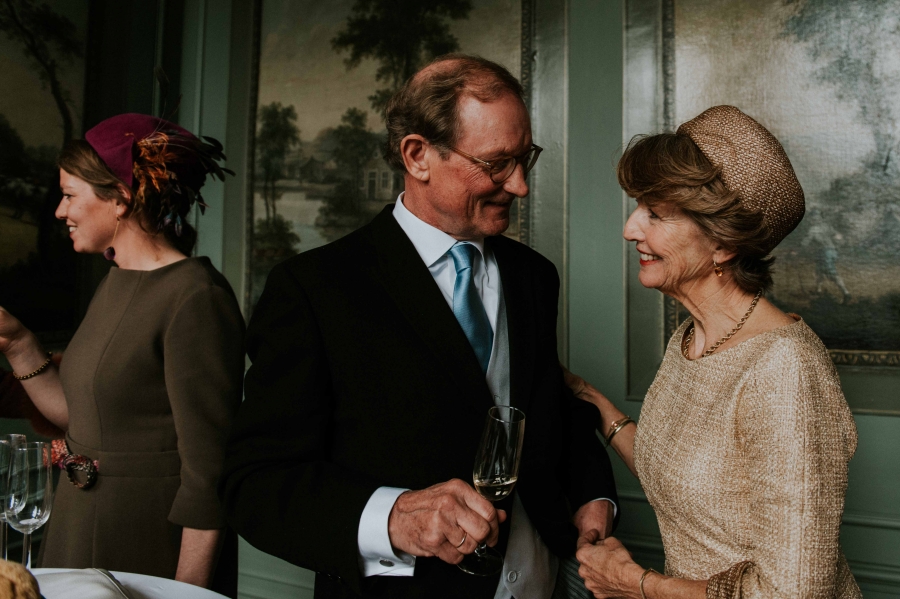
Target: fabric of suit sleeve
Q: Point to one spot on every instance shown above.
(585, 453)
(584, 470)
(279, 445)
(204, 359)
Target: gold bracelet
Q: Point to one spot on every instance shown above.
(36, 372)
(643, 576)
(616, 426)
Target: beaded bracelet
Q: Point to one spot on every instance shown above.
(40, 369)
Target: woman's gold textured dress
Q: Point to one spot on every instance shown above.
(743, 456)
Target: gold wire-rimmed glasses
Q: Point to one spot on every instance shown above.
(502, 169)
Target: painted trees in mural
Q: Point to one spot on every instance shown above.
(42, 52)
(276, 141)
(276, 138)
(354, 147)
(401, 36)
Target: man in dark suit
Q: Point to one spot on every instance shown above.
(376, 358)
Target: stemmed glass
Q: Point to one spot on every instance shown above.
(495, 474)
(30, 492)
(7, 444)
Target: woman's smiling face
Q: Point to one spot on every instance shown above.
(674, 251)
(91, 220)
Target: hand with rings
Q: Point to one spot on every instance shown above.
(430, 522)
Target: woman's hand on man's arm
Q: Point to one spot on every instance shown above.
(623, 442)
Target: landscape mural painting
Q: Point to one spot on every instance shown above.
(326, 69)
(42, 47)
(824, 77)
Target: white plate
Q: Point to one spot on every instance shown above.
(142, 586)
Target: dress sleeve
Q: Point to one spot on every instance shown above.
(204, 367)
(797, 437)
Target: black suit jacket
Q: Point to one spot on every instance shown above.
(362, 378)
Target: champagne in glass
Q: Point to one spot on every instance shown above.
(495, 474)
(7, 444)
(30, 492)
(495, 489)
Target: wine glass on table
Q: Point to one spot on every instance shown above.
(495, 474)
(7, 444)
(30, 492)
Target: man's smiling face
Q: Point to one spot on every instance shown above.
(464, 201)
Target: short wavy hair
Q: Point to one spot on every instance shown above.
(428, 102)
(669, 167)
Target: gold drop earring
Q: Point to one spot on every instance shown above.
(718, 269)
(110, 252)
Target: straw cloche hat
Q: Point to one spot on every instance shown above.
(752, 164)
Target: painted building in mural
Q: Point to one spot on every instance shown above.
(380, 181)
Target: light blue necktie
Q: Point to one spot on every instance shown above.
(468, 307)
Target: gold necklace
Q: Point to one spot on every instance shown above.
(690, 336)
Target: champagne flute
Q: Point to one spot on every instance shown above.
(7, 444)
(495, 474)
(30, 497)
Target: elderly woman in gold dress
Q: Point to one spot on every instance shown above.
(744, 436)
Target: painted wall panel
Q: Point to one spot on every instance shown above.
(204, 107)
(595, 283)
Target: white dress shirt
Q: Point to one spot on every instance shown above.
(376, 555)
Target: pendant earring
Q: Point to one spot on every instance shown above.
(718, 269)
(110, 252)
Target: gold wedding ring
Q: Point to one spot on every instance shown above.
(465, 536)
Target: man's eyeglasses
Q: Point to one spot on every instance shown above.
(502, 168)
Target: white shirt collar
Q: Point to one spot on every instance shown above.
(431, 243)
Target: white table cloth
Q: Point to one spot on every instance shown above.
(139, 586)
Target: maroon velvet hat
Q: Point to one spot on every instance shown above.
(115, 141)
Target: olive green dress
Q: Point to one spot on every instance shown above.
(152, 380)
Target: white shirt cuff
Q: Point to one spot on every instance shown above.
(615, 507)
(376, 556)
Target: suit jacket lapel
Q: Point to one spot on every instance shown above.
(413, 289)
(519, 301)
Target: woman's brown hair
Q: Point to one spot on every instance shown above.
(78, 158)
(669, 167)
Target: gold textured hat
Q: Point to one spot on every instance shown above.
(752, 163)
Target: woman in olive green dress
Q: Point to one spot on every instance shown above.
(152, 378)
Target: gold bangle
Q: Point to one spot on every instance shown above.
(616, 426)
(643, 576)
(36, 372)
